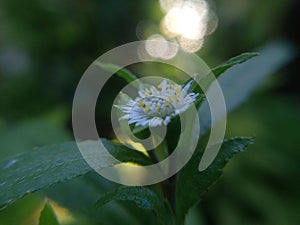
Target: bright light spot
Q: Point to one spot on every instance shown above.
(189, 45)
(186, 23)
(172, 50)
(187, 20)
(135, 145)
(128, 170)
(158, 47)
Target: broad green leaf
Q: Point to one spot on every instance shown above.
(121, 72)
(143, 198)
(49, 165)
(48, 216)
(192, 184)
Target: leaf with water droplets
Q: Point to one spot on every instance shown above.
(192, 184)
(143, 198)
(46, 166)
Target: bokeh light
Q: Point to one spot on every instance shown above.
(158, 47)
(189, 45)
(188, 22)
(185, 23)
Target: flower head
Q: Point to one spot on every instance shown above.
(156, 105)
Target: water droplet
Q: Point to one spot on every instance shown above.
(10, 163)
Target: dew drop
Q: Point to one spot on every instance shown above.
(10, 163)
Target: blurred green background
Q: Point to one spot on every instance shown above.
(45, 46)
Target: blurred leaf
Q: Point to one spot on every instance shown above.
(143, 198)
(120, 71)
(48, 216)
(29, 135)
(17, 214)
(193, 217)
(268, 170)
(217, 71)
(192, 184)
(78, 195)
(240, 82)
(49, 165)
(86, 188)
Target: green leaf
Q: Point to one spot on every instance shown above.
(121, 72)
(240, 82)
(49, 165)
(192, 184)
(79, 195)
(143, 198)
(16, 214)
(48, 216)
(217, 71)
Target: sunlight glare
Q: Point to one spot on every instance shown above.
(187, 20)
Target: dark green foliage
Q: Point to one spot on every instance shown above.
(143, 198)
(192, 184)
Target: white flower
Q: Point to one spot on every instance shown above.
(157, 105)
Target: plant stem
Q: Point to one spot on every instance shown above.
(169, 191)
